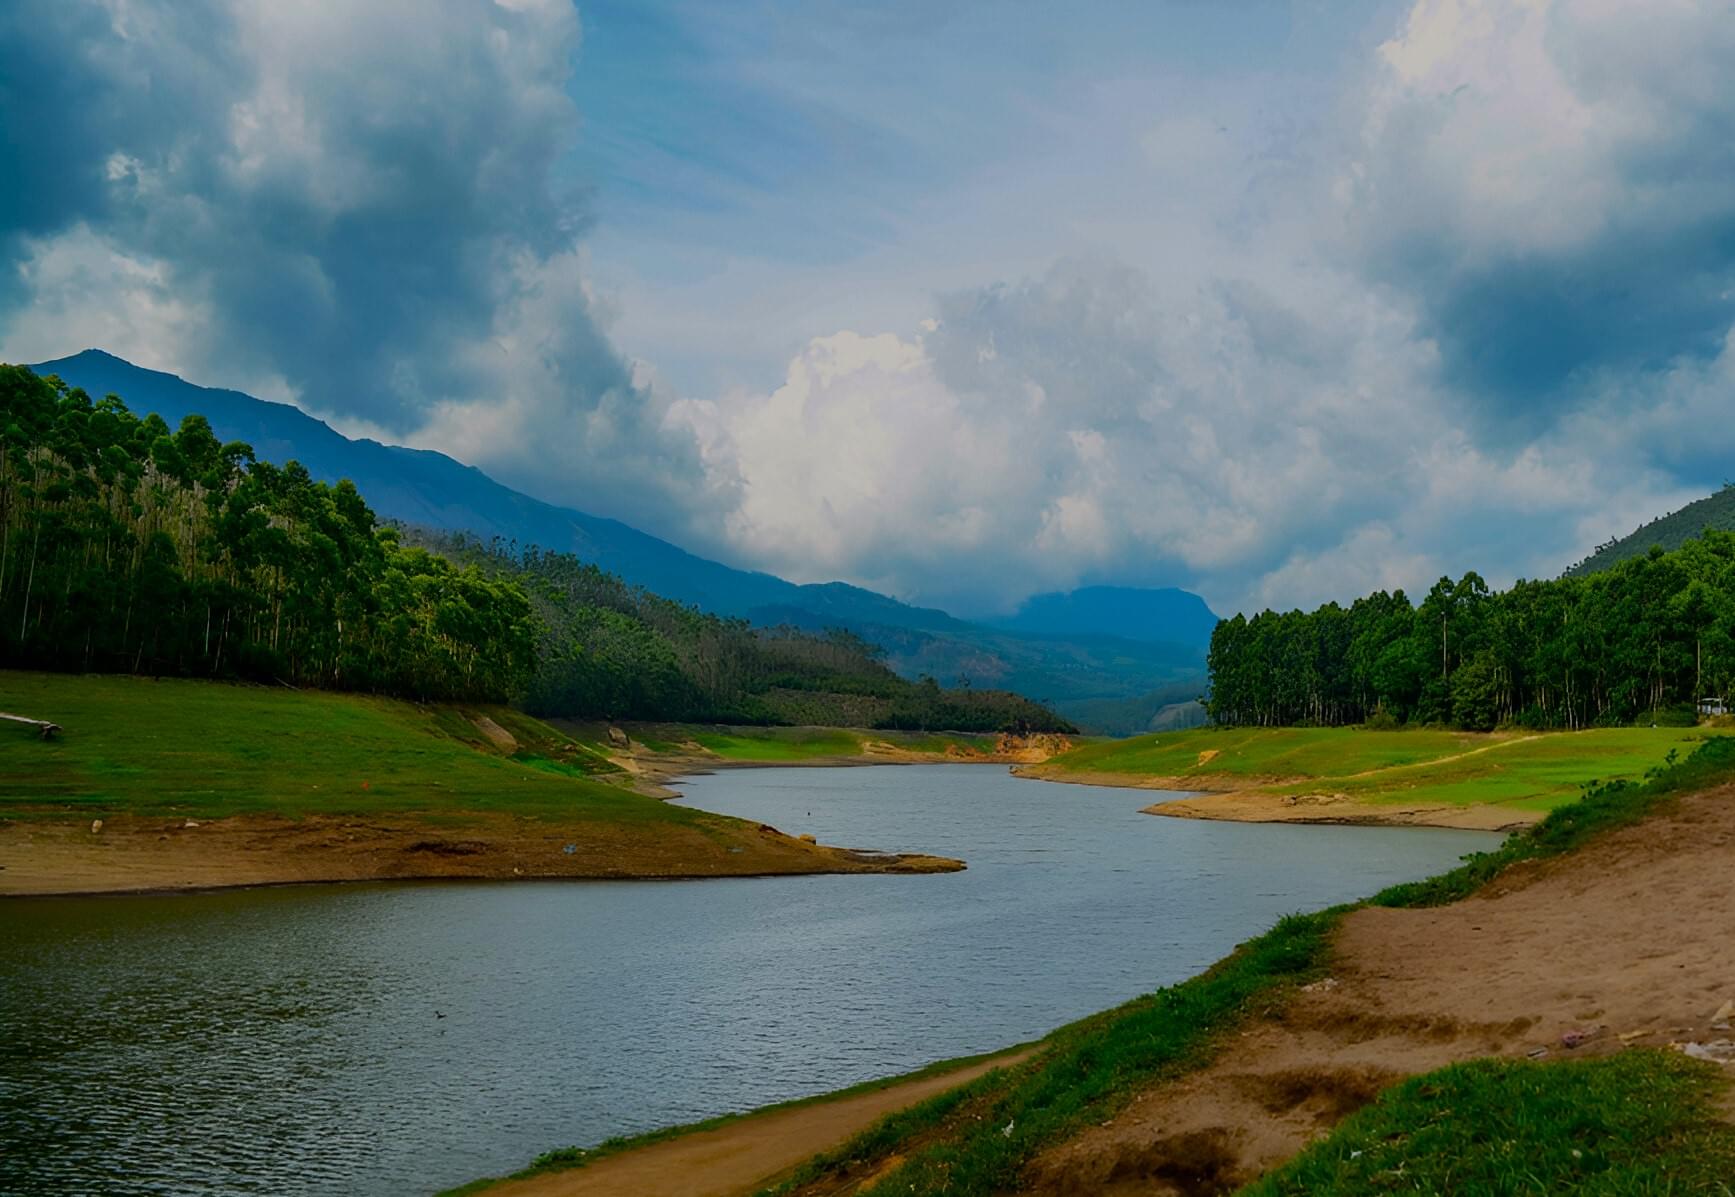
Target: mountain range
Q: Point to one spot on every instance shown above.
(1114, 659)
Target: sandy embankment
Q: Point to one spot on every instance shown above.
(652, 771)
(1622, 944)
(1237, 799)
(1255, 806)
(139, 854)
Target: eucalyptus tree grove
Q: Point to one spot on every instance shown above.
(125, 546)
(1654, 632)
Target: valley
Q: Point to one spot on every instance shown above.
(1095, 653)
(638, 598)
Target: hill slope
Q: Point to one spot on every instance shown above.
(347, 787)
(1114, 682)
(1668, 532)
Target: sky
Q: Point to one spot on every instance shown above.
(1278, 301)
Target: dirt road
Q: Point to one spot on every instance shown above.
(743, 1156)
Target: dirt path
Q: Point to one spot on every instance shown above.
(1627, 942)
(134, 854)
(1496, 746)
(742, 1156)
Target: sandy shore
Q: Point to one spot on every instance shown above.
(1253, 806)
(1237, 799)
(142, 854)
(1207, 783)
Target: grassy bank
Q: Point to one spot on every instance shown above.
(210, 750)
(1252, 754)
(1518, 772)
(1641, 1122)
(206, 749)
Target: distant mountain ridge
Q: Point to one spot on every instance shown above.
(419, 486)
(1671, 531)
(1149, 616)
(1102, 649)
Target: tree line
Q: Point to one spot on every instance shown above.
(1640, 641)
(127, 546)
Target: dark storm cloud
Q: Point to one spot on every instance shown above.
(1520, 334)
(1553, 188)
(73, 89)
(365, 202)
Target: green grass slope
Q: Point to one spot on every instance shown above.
(1527, 772)
(1257, 753)
(1642, 1122)
(204, 748)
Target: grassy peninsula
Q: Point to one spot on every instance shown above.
(206, 783)
(1345, 774)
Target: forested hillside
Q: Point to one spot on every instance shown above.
(128, 547)
(1712, 513)
(617, 651)
(1618, 645)
(1113, 667)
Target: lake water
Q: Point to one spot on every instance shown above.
(402, 1038)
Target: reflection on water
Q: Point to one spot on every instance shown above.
(402, 1038)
